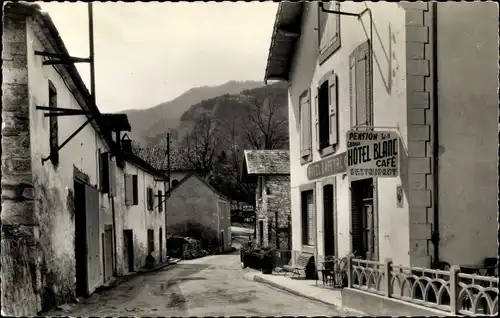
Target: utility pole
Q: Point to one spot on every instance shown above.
(91, 52)
(168, 160)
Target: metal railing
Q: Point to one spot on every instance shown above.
(450, 291)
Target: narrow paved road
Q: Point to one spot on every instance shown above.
(210, 286)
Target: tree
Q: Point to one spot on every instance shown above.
(198, 149)
(266, 125)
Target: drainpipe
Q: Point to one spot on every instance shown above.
(435, 133)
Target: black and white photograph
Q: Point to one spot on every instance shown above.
(250, 158)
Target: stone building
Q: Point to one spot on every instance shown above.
(64, 189)
(195, 208)
(426, 71)
(270, 170)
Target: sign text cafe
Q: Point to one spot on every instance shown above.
(372, 154)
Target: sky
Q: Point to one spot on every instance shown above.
(149, 53)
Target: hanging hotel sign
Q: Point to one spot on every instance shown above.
(372, 154)
(327, 167)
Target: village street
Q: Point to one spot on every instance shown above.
(209, 286)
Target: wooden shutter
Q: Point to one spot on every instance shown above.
(311, 226)
(352, 90)
(305, 124)
(112, 178)
(135, 190)
(356, 223)
(333, 109)
(105, 172)
(361, 101)
(129, 189)
(316, 118)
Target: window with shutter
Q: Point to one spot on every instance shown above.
(360, 87)
(316, 120)
(135, 190)
(129, 190)
(323, 115)
(150, 199)
(104, 172)
(328, 30)
(54, 127)
(308, 218)
(160, 201)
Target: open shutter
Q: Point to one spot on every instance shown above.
(352, 90)
(361, 86)
(129, 189)
(316, 118)
(356, 225)
(160, 199)
(305, 124)
(112, 178)
(333, 109)
(311, 212)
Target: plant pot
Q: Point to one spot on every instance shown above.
(267, 264)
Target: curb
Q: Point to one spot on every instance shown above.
(260, 279)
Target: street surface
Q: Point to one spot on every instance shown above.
(209, 286)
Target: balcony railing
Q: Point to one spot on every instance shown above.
(450, 291)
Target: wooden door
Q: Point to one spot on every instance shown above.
(108, 253)
(128, 246)
(92, 235)
(328, 218)
(161, 244)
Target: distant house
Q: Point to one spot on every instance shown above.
(270, 169)
(195, 208)
(157, 157)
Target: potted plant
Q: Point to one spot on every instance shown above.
(266, 261)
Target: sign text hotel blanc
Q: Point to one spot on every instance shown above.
(373, 154)
(327, 167)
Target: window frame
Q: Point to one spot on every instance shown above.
(149, 198)
(325, 80)
(335, 45)
(160, 201)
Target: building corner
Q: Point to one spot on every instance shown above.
(21, 278)
(420, 81)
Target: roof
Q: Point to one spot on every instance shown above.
(117, 122)
(52, 42)
(157, 157)
(194, 175)
(266, 162)
(286, 32)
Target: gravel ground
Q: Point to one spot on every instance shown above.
(209, 286)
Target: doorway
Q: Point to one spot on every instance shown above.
(362, 219)
(261, 233)
(328, 220)
(80, 239)
(128, 246)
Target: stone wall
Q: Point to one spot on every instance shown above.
(20, 269)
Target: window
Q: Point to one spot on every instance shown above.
(308, 217)
(329, 30)
(150, 199)
(175, 182)
(260, 185)
(160, 201)
(151, 241)
(305, 126)
(104, 172)
(326, 114)
(54, 127)
(131, 187)
(360, 89)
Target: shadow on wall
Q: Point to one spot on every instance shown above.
(208, 236)
(57, 272)
(388, 54)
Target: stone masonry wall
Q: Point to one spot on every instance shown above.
(420, 141)
(276, 203)
(20, 271)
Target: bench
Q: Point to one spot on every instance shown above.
(300, 266)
